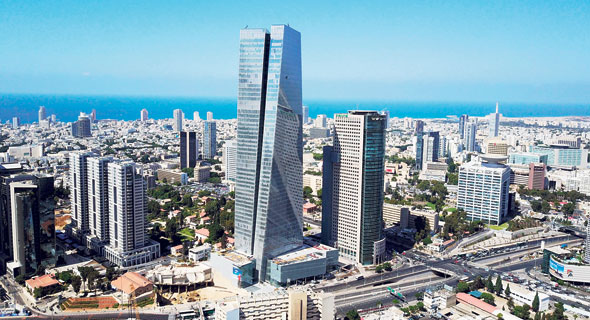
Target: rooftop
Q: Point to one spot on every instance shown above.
(304, 253)
(130, 282)
(43, 281)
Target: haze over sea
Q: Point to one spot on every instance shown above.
(68, 107)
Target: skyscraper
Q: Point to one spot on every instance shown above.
(431, 145)
(464, 118)
(469, 135)
(587, 245)
(230, 152)
(189, 149)
(196, 116)
(483, 190)
(129, 244)
(209, 139)
(305, 114)
(209, 116)
(42, 114)
(494, 121)
(79, 193)
(98, 202)
(93, 116)
(269, 200)
(386, 114)
(352, 189)
(15, 122)
(82, 127)
(177, 124)
(419, 127)
(144, 115)
(320, 121)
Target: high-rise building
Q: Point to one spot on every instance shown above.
(352, 188)
(386, 114)
(496, 145)
(53, 118)
(15, 122)
(305, 114)
(464, 118)
(129, 244)
(443, 147)
(32, 225)
(537, 176)
(483, 190)
(79, 193)
(321, 121)
(469, 135)
(209, 116)
(587, 246)
(93, 116)
(189, 149)
(430, 147)
(144, 115)
(82, 127)
(42, 113)
(494, 121)
(418, 127)
(178, 117)
(98, 202)
(269, 201)
(209, 139)
(230, 160)
(196, 116)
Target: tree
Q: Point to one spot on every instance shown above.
(187, 200)
(568, 208)
(462, 287)
(76, 283)
(423, 185)
(84, 272)
(545, 207)
(522, 312)
(490, 284)
(318, 156)
(20, 279)
(536, 302)
(558, 313)
(498, 288)
(110, 273)
(307, 191)
(387, 266)
(478, 283)
(500, 316)
(419, 295)
(352, 315)
(204, 193)
(37, 293)
(488, 298)
(507, 291)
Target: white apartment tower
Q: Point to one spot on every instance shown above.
(469, 135)
(98, 202)
(483, 190)
(144, 115)
(230, 159)
(196, 116)
(127, 201)
(209, 115)
(178, 116)
(42, 114)
(494, 121)
(587, 246)
(79, 193)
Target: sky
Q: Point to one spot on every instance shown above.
(523, 51)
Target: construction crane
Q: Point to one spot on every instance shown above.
(133, 304)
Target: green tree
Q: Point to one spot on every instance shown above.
(318, 156)
(76, 283)
(37, 293)
(20, 279)
(187, 200)
(568, 208)
(545, 207)
(490, 284)
(352, 315)
(204, 193)
(536, 302)
(462, 287)
(507, 291)
(171, 228)
(498, 288)
(488, 298)
(423, 185)
(307, 191)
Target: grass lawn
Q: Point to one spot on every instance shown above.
(431, 205)
(188, 233)
(503, 226)
(450, 209)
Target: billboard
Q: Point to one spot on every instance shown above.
(556, 266)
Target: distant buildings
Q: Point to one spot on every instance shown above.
(230, 159)
(320, 121)
(537, 176)
(462, 120)
(494, 119)
(81, 128)
(470, 132)
(497, 146)
(189, 149)
(209, 139)
(269, 200)
(15, 122)
(196, 116)
(209, 116)
(144, 115)
(587, 245)
(305, 114)
(96, 191)
(418, 127)
(172, 176)
(178, 117)
(26, 151)
(319, 133)
(42, 113)
(426, 148)
(562, 155)
(352, 191)
(526, 158)
(79, 193)
(483, 190)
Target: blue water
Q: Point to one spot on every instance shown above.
(68, 107)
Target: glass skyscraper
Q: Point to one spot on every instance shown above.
(269, 182)
(209, 139)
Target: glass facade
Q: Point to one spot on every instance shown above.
(209, 140)
(562, 156)
(269, 200)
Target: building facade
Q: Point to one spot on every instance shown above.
(464, 118)
(144, 115)
(494, 120)
(189, 149)
(209, 139)
(470, 132)
(177, 121)
(98, 202)
(352, 192)
(230, 159)
(269, 200)
(79, 193)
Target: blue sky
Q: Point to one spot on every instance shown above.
(524, 51)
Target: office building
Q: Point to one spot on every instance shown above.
(386, 114)
(26, 151)
(469, 136)
(562, 156)
(32, 225)
(269, 201)
(172, 176)
(144, 115)
(209, 139)
(483, 190)
(573, 142)
(527, 158)
(178, 117)
(129, 243)
(196, 116)
(319, 133)
(443, 147)
(230, 159)
(497, 146)
(189, 149)
(321, 121)
(304, 263)
(53, 118)
(98, 202)
(537, 176)
(587, 245)
(15, 122)
(426, 148)
(305, 114)
(82, 127)
(352, 190)
(209, 116)
(79, 193)
(202, 172)
(418, 127)
(396, 215)
(42, 114)
(494, 123)
(464, 118)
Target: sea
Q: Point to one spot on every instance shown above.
(68, 107)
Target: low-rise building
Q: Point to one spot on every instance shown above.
(436, 299)
(134, 284)
(41, 282)
(202, 173)
(522, 295)
(302, 263)
(199, 253)
(173, 176)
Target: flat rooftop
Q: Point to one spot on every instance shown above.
(301, 254)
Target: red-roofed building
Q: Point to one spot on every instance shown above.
(202, 234)
(133, 282)
(41, 282)
(472, 301)
(309, 207)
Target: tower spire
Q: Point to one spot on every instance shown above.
(496, 106)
